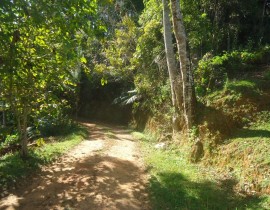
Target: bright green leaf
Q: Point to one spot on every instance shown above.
(83, 60)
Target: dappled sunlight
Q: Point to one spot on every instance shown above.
(100, 173)
(11, 202)
(95, 183)
(103, 131)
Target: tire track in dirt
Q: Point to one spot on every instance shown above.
(104, 172)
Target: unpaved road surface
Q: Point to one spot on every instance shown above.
(104, 172)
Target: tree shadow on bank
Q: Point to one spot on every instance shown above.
(253, 133)
(173, 191)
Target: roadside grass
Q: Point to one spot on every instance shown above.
(13, 167)
(247, 154)
(177, 184)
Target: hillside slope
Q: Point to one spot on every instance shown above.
(237, 140)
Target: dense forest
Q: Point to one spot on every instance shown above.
(194, 74)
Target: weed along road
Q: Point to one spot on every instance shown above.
(105, 171)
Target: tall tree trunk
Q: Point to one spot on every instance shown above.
(261, 30)
(185, 68)
(4, 115)
(175, 77)
(22, 128)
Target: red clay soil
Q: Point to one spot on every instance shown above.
(103, 172)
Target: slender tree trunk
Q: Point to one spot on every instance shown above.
(175, 77)
(185, 68)
(22, 128)
(261, 30)
(4, 115)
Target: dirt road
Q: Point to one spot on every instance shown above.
(104, 172)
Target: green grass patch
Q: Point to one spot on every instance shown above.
(237, 89)
(142, 137)
(177, 184)
(247, 88)
(240, 100)
(13, 167)
(248, 155)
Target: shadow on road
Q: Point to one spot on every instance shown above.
(94, 177)
(96, 183)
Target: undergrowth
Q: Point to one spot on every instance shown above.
(247, 156)
(175, 183)
(13, 167)
(244, 151)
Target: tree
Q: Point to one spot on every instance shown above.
(180, 80)
(176, 80)
(39, 52)
(185, 68)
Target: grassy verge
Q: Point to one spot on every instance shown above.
(247, 155)
(177, 184)
(13, 168)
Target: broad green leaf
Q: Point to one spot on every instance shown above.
(104, 81)
(83, 60)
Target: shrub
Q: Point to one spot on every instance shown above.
(10, 140)
(213, 71)
(52, 119)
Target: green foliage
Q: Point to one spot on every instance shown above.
(238, 102)
(225, 25)
(193, 134)
(198, 25)
(40, 55)
(10, 140)
(246, 88)
(118, 52)
(262, 118)
(213, 72)
(135, 54)
(52, 118)
(210, 71)
(55, 125)
(103, 81)
(127, 98)
(151, 79)
(4, 132)
(40, 142)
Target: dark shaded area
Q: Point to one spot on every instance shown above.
(9, 149)
(216, 121)
(97, 101)
(174, 191)
(249, 133)
(141, 117)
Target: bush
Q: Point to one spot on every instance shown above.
(10, 140)
(52, 119)
(49, 126)
(213, 71)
